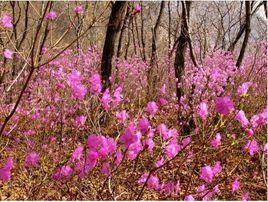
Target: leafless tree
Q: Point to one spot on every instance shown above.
(113, 29)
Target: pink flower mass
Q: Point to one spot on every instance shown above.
(8, 54)
(32, 160)
(137, 8)
(203, 110)
(224, 105)
(6, 21)
(52, 15)
(152, 108)
(78, 9)
(133, 100)
(5, 171)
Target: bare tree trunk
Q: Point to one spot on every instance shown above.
(142, 35)
(122, 33)
(243, 26)
(265, 7)
(155, 30)
(133, 37)
(153, 61)
(181, 48)
(247, 32)
(114, 26)
(169, 26)
(179, 65)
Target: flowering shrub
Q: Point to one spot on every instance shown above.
(70, 136)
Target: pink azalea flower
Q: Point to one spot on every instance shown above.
(252, 147)
(143, 178)
(241, 118)
(153, 183)
(32, 160)
(144, 125)
(172, 150)
(224, 105)
(8, 54)
(201, 189)
(118, 97)
(78, 9)
(80, 120)
(74, 80)
(203, 110)
(163, 131)
(119, 157)
(217, 168)
(111, 145)
(162, 102)
(137, 8)
(43, 51)
(216, 189)
(79, 91)
(186, 141)
(6, 21)
(243, 88)
(152, 108)
(265, 149)
(95, 84)
(206, 174)
(91, 160)
(173, 134)
(189, 198)
(66, 171)
(77, 153)
(249, 132)
(52, 15)
(122, 116)
(106, 99)
(134, 149)
(245, 196)
(129, 136)
(216, 141)
(5, 171)
(74, 77)
(150, 143)
(235, 185)
(101, 145)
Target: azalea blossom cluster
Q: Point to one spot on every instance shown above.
(65, 101)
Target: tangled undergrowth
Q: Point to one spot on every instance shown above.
(69, 141)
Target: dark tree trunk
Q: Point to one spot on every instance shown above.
(113, 29)
(181, 48)
(247, 32)
(142, 35)
(179, 65)
(243, 26)
(155, 30)
(265, 7)
(122, 33)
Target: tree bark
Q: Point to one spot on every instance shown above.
(113, 29)
(243, 27)
(181, 48)
(155, 30)
(247, 32)
(142, 34)
(122, 33)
